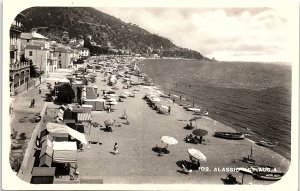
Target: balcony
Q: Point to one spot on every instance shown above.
(13, 47)
(18, 65)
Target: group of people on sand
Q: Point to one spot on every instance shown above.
(189, 166)
(193, 139)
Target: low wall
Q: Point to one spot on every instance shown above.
(27, 164)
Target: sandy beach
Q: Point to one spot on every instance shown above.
(138, 163)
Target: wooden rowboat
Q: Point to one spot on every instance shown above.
(267, 143)
(230, 135)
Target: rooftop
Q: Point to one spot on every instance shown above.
(32, 35)
(35, 47)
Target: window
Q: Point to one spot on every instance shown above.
(30, 53)
(12, 54)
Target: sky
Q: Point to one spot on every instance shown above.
(227, 34)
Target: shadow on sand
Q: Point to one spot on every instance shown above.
(160, 150)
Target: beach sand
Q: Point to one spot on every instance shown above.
(137, 163)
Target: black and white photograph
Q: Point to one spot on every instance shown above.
(150, 95)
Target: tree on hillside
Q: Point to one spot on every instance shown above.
(65, 93)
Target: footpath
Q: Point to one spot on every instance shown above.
(22, 122)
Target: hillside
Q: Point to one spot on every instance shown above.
(106, 30)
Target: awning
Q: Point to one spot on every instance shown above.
(64, 145)
(56, 128)
(77, 135)
(84, 117)
(69, 120)
(43, 171)
(59, 135)
(65, 156)
(63, 129)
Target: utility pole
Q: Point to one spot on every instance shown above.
(41, 69)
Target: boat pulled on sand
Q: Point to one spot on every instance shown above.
(267, 143)
(272, 176)
(230, 135)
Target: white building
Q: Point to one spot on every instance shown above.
(83, 52)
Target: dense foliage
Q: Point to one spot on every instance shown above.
(65, 93)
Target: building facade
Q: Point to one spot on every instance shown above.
(19, 70)
(34, 38)
(83, 52)
(39, 57)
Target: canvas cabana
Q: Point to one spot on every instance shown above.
(84, 118)
(64, 152)
(60, 128)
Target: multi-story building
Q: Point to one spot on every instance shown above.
(53, 61)
(39, 56)
(34, 38)
(83, 52)
(19, 69)
(65, 57)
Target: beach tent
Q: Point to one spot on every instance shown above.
(60, 128)
(45, 161)
(42, 175)
(45, 158)
(64, 152)
(98, 104)
(84, 117)
(64, 145)
(56, 128)
(64, 80)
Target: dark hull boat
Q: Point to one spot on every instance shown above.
(229, 135)
(272, 176)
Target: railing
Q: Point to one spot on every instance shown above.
(13, 47)
(18, 65)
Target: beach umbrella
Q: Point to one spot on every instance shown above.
(109, 122)
(169, 140)
(200, 132)
(195, 119)
(197, 154)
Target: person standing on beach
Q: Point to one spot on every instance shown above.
(116, 146)
(40, 91)
(32, 103)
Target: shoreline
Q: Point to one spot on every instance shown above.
(255, 137)
(209, 118)
(138, 163)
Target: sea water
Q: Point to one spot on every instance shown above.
(253, 98)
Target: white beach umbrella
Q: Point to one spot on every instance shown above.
(197, 154)
(169, 140)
